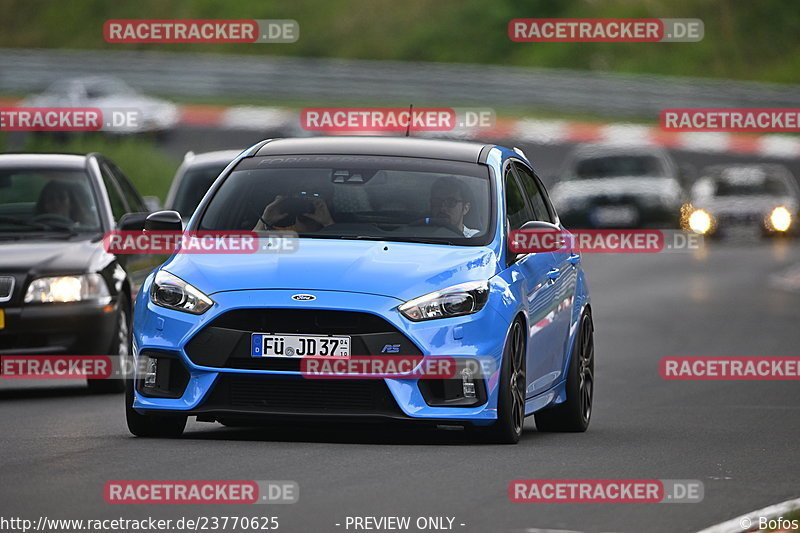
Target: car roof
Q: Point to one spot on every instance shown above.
(379, 146)
(210, 158)
(43, 160)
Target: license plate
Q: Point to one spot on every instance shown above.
(296, 346)
(613, 216)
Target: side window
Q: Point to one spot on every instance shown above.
(118, 207)
(516, 208)
(132, 197)
(533, 190)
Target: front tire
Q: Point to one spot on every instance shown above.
(120, 346)
(511, 396)
(163, 426)
(575, 413)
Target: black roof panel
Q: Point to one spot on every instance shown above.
(364, 145)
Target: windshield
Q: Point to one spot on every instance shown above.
(36, 200)
(193, 186)
(748, 181)
(618, 166)
(356, 197)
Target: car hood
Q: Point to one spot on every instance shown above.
(746, 204)
(41, 257)
(399, 270)
(641, 186)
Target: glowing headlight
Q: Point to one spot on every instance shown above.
(780, 218)
(173, 293)
(700, 222)
(463, 299)
(63, 289)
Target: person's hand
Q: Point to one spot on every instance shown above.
(321, 214)
(274, 211)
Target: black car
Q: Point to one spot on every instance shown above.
(619, 186)
(61, 292)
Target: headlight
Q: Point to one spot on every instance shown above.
(173, 293)
(700, 222)
(780, 219)
(462, 299)
(62, 289)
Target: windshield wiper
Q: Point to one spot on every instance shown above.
(24, 223)
(40, 226)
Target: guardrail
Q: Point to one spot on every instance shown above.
(390, 82)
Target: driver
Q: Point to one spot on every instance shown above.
(450, 204)
(55, 199)
(302, 209)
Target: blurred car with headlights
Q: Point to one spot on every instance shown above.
(110, 94)
(61, 292)
(619, 186)
(763, 197)
(193, 179)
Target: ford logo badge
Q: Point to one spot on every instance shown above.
(303, 297)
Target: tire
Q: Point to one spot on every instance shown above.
(511, 395)
(575, 413)
(163, 426)
(120, 346)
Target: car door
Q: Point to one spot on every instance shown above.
(532, 272)
(565, 276)
(125, 199)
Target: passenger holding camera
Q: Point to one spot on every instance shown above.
(301, 212)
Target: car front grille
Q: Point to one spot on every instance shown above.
(6, 288)
(225, 342)
(292, 394)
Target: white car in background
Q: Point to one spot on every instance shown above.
(153, 115)
(619, 186)
(764, 197)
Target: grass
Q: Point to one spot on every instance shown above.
(743, 40)
(146, 165)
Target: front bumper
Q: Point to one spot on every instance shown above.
(80, 328)
(224, 382)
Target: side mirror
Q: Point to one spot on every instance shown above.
(550, 238)
(132, 222)
(163, 221)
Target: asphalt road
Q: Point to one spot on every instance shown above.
(59, 445)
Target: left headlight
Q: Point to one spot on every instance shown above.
(172, 292)
(462, 299)
(63, 289)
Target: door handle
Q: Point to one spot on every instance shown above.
(574, 259)
(553, 274)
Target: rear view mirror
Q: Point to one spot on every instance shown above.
(164, 221)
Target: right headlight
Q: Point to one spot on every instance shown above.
(172, 292)
(458, 300)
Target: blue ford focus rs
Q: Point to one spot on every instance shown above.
(402, 249)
